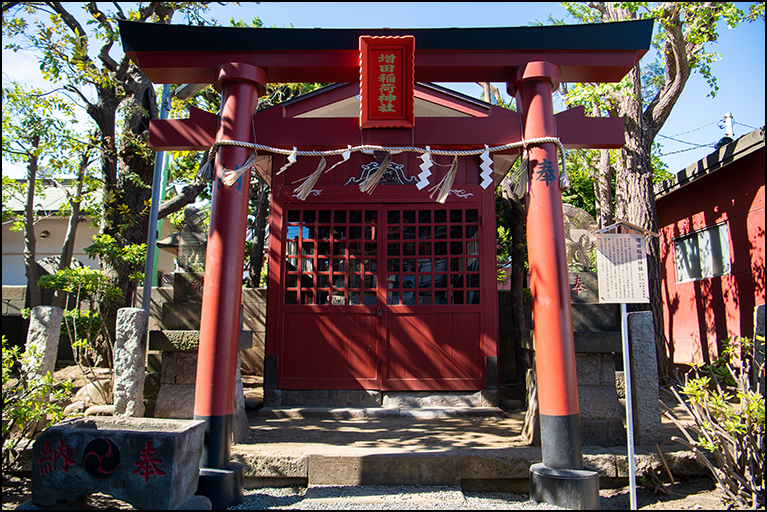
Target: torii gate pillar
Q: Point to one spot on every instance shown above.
(220, 479)
(560, 479)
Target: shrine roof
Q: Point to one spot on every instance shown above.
(626, 35)
(192, 54)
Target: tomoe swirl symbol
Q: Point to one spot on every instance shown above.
(102, 457)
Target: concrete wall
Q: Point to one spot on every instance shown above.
(14, 272)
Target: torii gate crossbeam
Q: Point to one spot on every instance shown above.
(531, 60)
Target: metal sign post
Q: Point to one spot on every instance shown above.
(622, 274)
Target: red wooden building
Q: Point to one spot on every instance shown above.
(389, 290)
(711, 220)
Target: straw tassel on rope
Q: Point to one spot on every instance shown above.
(372, 180)
(231, 177)
(205, 172)
(308, 183)
(447, 182)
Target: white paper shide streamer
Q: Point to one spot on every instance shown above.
(423, 178)
(487, 172)
(291, 160)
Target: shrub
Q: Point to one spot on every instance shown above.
(728, 420)
(27, 403)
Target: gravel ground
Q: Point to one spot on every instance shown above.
(385, 497)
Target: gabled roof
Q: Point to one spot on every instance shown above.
(48, 197)
(717, 160)
(342, 100)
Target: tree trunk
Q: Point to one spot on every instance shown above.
(603, 193)
(128, 214)
(74, 219)
(514, 210)
(635, 203)
(261, 197)
(30, 250)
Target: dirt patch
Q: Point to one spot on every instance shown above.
(17, 489)
(698, 493)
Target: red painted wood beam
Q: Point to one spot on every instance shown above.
(573, 129)
(343, 66)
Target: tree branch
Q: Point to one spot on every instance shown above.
(677, 69)
(120, 12)
(102, 19)
(8, 5)
(72, 88)
(187, 196)
(71, 22)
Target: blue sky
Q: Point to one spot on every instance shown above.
(695, 119)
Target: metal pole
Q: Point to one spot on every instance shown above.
(629, 406)
(163, 186)
(151, 239)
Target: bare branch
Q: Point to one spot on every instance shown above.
(72, 88)
(120, 12)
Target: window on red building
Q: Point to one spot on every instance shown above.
(702, 254)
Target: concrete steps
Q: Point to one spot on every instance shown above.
(475, 453)
(381, 412)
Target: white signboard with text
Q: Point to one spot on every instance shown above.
(622, 268)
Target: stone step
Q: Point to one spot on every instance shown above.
(600, 342)
(188, 340)
(363, 398)
(186, 315)
(348, 413)
(596, 317)
(181, 315)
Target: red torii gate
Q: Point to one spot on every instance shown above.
(531, 60)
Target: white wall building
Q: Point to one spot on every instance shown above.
(50, 231)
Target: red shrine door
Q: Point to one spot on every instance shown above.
(387, 296)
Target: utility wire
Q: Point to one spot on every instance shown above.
(747, 126)
(683, 141)
(690, 131)
(711, 144)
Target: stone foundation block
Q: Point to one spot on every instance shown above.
(150, 463)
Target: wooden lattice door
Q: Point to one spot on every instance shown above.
(383, 297)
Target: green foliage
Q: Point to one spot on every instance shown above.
(264, 279)
(93, 291)
(82, 282)
(105, 246)
(581, 192)
(727, 407)
(28, 401)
